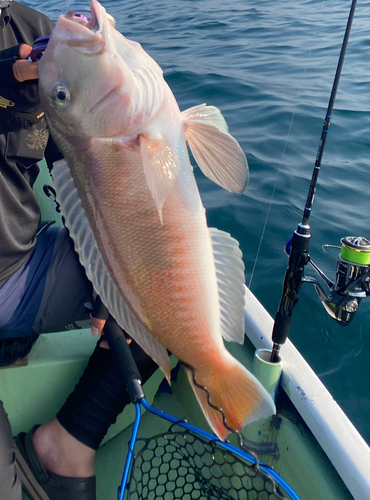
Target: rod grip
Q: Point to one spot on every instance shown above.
(281, 328)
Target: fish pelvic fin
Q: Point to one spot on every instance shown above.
(161, 166)
(217, 153)
(234, 390)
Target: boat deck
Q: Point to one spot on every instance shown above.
(33, 393)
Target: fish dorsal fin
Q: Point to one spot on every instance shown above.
(230, 279)
(217, 153)
(161, 166)
(96, 270)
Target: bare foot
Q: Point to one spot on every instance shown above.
(61, 453)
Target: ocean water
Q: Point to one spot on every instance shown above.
(269, 67)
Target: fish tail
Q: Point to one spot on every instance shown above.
(234, 390)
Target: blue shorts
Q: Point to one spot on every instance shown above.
(48, 293)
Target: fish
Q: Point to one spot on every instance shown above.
(130, 200)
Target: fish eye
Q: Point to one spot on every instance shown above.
(61, 95)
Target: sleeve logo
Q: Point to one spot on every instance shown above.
(5, 103)
(37, 139)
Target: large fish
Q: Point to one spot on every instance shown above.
(131, 203)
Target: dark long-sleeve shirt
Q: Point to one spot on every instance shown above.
(23, 139)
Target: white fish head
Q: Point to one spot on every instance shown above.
(94, 82)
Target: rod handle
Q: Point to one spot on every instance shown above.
(281, 328)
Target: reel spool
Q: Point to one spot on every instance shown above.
(353, 261)
(352, 283)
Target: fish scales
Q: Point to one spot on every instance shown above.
(167, 266)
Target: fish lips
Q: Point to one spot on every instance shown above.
(87, 36)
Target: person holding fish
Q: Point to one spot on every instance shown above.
(43, 288)
(130, 201)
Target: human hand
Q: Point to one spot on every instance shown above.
(23, 69)
(98, 319)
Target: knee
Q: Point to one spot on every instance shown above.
(10, 485)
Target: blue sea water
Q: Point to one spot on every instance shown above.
(269, 66)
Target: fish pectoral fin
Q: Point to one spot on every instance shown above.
(230, 279)
(217, 153)
(161, 168)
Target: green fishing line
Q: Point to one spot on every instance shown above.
(357, 256)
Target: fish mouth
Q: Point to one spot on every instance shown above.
(87, 17)
(92, 17)
(86, 28)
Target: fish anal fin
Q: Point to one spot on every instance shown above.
(217, 153)
(230, 279)
(161, 166)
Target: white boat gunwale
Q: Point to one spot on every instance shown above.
(338, 437)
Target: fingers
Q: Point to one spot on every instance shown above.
(104, 344)
(99, 317)
(23, 70)
(24, 50)
(97, 325)
(97, 328)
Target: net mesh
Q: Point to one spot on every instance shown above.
(181, 465)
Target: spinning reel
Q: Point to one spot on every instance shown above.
(352, 283)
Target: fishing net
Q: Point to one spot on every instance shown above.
(181, 465)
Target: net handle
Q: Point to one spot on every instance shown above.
(121, 351)
(122, 354)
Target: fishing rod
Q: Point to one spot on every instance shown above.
(353, 264)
